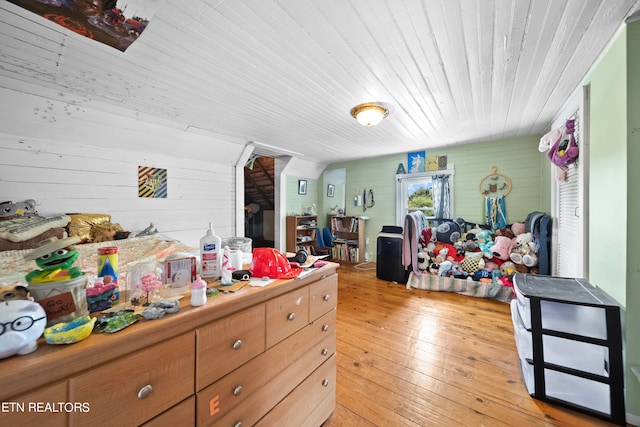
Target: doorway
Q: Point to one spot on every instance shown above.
(259, 201)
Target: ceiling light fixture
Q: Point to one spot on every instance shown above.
(369, 113)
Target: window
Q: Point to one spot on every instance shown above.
(429, 192)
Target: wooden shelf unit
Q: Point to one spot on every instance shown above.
(350, 238)
(302, 233)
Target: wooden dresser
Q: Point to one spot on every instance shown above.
(259, 356)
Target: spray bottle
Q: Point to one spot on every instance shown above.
(210, 250)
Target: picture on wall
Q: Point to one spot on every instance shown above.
(331, 189)
(99, 20)
(302, 186)
(416, 162)
(152, 182)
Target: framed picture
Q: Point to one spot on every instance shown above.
(331, 189)
(302, 186)
(416, 162)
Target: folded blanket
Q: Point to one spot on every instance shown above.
(414, 223)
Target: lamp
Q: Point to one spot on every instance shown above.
(369, 113)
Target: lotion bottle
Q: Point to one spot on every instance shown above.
(210, 254)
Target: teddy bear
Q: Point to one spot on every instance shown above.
(502, 247)
(523, 245)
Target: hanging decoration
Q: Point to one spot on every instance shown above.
(562, 147)
(495, 187)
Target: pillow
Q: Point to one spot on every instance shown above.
(21, 228)
(81, 223)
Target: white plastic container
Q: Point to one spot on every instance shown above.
(210, 255)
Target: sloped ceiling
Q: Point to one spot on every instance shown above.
(287, 72)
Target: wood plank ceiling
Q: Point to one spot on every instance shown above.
(287, 72)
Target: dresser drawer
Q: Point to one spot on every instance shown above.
(287, 314)
(135, 388)
(323, 296)
(228, 343)
(249, 392)
(29, 409)
(183, 414)
(310, 404)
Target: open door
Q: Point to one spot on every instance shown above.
(259, 201)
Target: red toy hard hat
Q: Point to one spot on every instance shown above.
(271, 263)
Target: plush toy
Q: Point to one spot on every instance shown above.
(483, 239)
(428, 240)
(107, 231)
(507, 270)
(448, 232)
(423, 261)
(445, 268)
(507, 232)
(24, 321)
(55, 258)
(457, 272)
(434, 268)
(523, 245)
(472, 262)
(11, 210)
(530, 259)
(517, 228)
(502, 247)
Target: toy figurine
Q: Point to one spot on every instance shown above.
(56, 258)
(23, 322)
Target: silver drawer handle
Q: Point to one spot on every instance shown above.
(325, 351)
(237, 345)
(145, 391)
(237, 390)
(324, 276)
(325, 383)
(325, 328)
(238, 424)
(291, 316)
(327, 297)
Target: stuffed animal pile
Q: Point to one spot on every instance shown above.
(450, 250)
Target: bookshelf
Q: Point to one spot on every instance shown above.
(302, 233)
(349, 244)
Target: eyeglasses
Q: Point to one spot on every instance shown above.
(19, 324)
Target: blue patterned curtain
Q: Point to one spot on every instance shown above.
(441, 196)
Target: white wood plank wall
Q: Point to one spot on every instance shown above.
(73, 158)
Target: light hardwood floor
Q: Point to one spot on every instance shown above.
(421, 358)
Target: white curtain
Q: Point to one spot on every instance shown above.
(441, 196)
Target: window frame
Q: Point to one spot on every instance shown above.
(401, 186)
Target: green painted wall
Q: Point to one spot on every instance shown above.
(614, 190)
(518, 158)
(608, 171)
(633, 207)
(296, 203)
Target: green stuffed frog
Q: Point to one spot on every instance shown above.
(55, 258)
